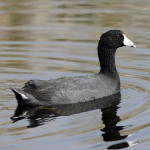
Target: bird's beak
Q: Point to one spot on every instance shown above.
(128, 42)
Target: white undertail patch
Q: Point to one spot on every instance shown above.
(22, 95)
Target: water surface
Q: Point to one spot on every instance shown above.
(47, 39)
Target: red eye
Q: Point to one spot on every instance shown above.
(118, 36)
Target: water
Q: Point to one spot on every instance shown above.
(46, 39)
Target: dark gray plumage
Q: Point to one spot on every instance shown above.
(69, 90)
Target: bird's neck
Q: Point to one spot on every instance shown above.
(107, 63)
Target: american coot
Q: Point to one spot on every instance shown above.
(67, 90)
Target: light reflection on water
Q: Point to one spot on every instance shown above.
(49, 39)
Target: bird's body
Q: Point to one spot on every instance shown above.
(67, 90)
(70, 89)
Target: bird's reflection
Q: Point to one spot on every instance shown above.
(108, 105)
(110, 120)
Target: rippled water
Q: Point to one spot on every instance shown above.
(45, 39)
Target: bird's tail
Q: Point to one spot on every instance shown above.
(19, 96)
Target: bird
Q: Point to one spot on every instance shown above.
(77, 89)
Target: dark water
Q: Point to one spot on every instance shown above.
(45, 39)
